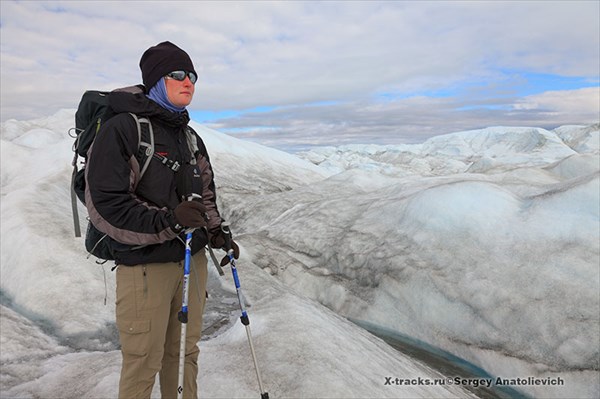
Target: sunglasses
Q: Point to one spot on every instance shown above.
(180, 75)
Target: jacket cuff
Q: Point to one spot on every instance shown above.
(174, 224)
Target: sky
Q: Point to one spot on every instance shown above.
(294, 74)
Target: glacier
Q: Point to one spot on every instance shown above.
(484, 244)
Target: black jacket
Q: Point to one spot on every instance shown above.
(138, 214)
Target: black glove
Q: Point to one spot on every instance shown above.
(191, 214)
(219, 239)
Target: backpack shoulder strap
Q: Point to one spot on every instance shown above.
(146, 145)
(192, 141)
(145, 142)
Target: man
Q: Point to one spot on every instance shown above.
(145, 221)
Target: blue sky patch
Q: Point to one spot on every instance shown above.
(506, 83)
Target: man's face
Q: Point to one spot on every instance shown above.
(180, 92)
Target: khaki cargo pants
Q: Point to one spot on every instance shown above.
(149, 297)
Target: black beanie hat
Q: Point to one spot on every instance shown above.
(161, 59)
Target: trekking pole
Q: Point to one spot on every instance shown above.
(183, 313)
(244, 318)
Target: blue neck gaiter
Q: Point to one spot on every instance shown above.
(158, 94)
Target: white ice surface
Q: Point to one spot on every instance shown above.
(482, 243)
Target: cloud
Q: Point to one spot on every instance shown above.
(407, 120)
(289, 55)
(584, 102)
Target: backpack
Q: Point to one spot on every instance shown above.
(92, 112)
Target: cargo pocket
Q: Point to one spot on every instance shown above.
(135, 336)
